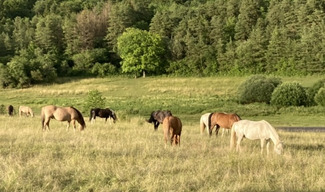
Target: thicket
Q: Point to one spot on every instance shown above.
(257, 88)
(44, 39)
(289, 94)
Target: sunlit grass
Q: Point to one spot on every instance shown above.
(130, 156)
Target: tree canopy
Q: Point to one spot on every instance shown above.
(44, 39)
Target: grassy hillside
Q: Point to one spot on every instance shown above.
(185, 97)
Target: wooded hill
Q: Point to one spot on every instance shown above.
(44, 39)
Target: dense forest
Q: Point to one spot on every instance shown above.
(41, 40)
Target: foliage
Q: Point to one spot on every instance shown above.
(201, 38)
(289, 94)
(141, 51)
(257, 88)
(94, 100)
(320, 97)
(313, 90)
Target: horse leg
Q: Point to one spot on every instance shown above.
(262, 145)
(267, 146)
(46, 124)
(166, 131)
(217, 129)
(240, 138)
(211, 129)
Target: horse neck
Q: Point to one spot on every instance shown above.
(273, 134)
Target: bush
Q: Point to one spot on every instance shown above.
(94, 100)
(257, 88)
(313, 90)
(289, 94)
(320, 97)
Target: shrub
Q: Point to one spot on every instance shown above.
(94, 100)
(289, 94)
(313, 90)
(257, 88)
(320, 97)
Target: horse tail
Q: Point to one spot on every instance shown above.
(233, 137)
(209, 123)
(202, 125)
(42, 117)
(81, 118)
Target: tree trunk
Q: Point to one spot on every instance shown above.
(144, 74)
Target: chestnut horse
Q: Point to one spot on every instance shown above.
(256, 130)
(25, 110)
(172, 130)
(224, 120)
(61, 114)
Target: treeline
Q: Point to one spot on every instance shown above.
(41, 40)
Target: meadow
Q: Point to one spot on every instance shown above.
(130, 155)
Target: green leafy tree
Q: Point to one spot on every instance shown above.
(141, 51)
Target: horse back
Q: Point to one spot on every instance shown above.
(174, 123)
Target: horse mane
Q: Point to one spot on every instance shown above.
(82, 121)
(272, 130)
(237, 117)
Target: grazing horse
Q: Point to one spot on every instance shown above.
(10, 110)
(61, 114)
(204, 121)
(25, 110)
(103, 113)
(158, 117)
(256, 130)
(224, 120)
(172, 130)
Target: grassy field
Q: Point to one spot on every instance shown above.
(130, 155)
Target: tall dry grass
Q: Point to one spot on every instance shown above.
(130, 156)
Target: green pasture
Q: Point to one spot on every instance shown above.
(187, 98)
(130, 155)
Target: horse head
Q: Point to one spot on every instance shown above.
(278, 148)
(114, 116)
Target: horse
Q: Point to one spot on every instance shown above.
(224, 120)
(204, 121)
(256, 130)
(25, 110)
(157, 117)
(61, 114)
(10, 110)
(103, 113)
(172, 127)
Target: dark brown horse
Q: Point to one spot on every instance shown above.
(10, 110)
(103, 113)
(172, 130)
(158, 117)
(223, 120)
(61, 114)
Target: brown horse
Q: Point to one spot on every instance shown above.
(224, 120)
(25, 110)
(61, 114)
(172, 130)
(10, 110)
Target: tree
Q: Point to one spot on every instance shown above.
(141, 51)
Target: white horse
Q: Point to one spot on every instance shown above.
(256, 130)
(25, 110)
(204, 123)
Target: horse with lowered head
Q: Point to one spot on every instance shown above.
(25, 110)
(256, 130)
(223, 120)
(103, 113)
(157, 117)
(172, 130)
(69, 114)
(10, 110)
